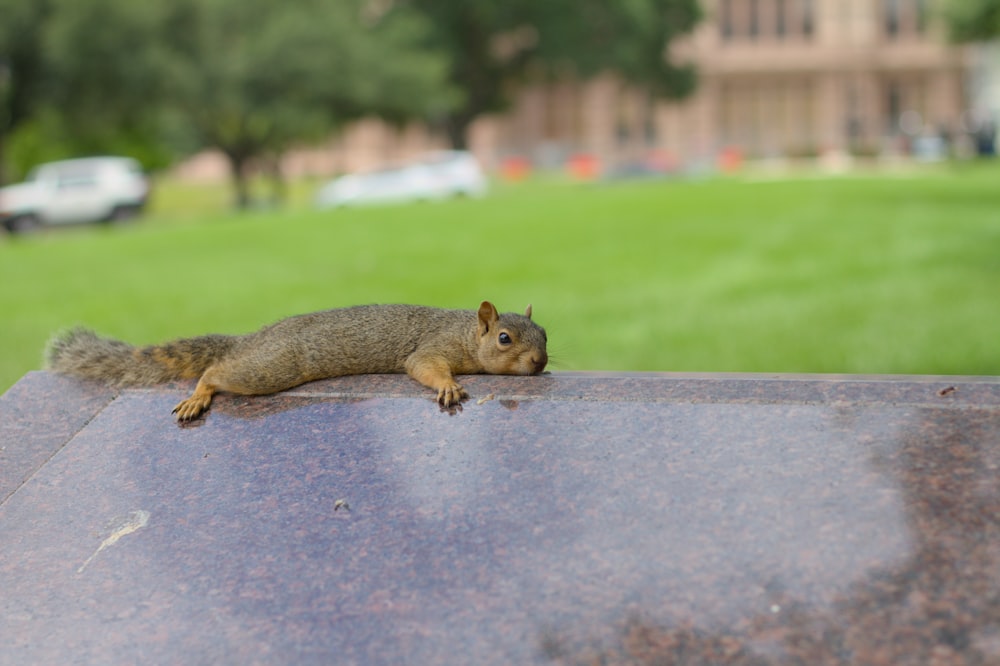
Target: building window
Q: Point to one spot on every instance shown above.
(776, 19)
(922, 11)
(894, 107)
(893, 12)
(726, 19)
(808, 17)
(753, 29)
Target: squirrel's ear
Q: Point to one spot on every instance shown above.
(527, 312)
(487, 317)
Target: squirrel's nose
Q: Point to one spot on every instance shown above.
(538, 363)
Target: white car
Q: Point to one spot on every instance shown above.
(438, 175)
(83, 190)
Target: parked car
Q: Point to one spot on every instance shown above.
(91, 189)
(438, 175)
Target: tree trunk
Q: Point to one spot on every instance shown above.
(3, 172)
(238, 168)
(279, 187)
(5, 116)
(457, 128)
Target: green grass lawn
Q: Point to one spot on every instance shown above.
(876, 274)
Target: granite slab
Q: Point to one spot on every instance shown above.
(571, 518)
(38, 416)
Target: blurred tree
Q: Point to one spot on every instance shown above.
(494, 43)
(973, 20)
(249, 77)
(254, 77)
(105, 64)
(20, 64)
(80, 77)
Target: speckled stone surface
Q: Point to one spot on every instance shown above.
(38, 415)
(571, 518)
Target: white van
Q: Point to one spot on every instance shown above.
(91, 189)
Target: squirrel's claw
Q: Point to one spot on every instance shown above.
(451, 395)
(197, 404)
(190, 409)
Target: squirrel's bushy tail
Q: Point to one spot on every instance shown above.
(82, 353)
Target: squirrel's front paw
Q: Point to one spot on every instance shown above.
(451, 395)
(192, 408)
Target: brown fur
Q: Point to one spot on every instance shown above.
(430, 344)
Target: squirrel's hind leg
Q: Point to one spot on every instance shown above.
(214, 379)
(241, 376)
(198, 403)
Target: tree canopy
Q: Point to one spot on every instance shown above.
(249, 77)
(253, 77)
(79, 77)
(973, 20)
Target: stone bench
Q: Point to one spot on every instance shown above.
(568, 518)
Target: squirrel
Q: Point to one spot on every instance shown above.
(431, 345)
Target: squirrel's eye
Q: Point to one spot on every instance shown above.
(504, 338)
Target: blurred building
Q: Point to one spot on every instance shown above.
(778, 78)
